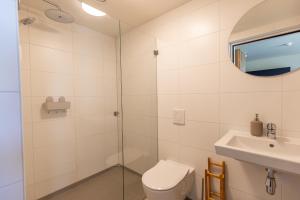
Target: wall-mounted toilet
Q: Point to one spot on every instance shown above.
(168, 180)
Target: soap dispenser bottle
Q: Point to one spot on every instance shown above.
(257, 127)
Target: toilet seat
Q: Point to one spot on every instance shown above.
(165, 175)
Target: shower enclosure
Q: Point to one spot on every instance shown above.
(99, 145)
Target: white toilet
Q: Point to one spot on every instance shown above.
(168, 180)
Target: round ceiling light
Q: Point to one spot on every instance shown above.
(91, 10)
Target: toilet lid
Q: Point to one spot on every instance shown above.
(165, 175)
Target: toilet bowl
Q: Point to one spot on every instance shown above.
(168, 180)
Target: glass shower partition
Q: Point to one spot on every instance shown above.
(139, 108)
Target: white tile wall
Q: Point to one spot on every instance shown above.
(194, 73)
(71, 61)
(11, 164)
(139, 100)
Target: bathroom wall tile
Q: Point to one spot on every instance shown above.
(167, 130)
(232, 10)
(54, 161)
(201, 79)
(197, 188)
(50, 60)
(24, 56)
(168, 82)
(193, 157)
(56, 183)
(290, 112)
(88, 65)
(255, 176)
(26, 109)
(202, 50)
(136, 104)
(224, 45)
(25, 83)
(169, 57)
(29, 192)
(290, 183)
(136, 76)
(87, 44)
(233, 80)
(10, 139)
(240, 108)
(192, 132)
(90, 125)
(291, 81)
(89, 106)
(166, 104)
(85, 86)
(90, 155)
(51, 84)
(54, 132)
(14, 191)
(201, 107)
(66, 63)
(168, 150)
(51, 36)
(200, 22)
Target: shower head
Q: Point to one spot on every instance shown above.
(27, 21)
(59, 15)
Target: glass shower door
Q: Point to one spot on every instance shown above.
(139, 109)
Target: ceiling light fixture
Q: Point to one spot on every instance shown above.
(91, 10)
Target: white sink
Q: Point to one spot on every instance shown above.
(282, 154)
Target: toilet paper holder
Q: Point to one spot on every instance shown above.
(56, 106)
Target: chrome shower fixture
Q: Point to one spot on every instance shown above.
(58, 14)
(27, 21)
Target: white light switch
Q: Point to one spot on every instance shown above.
(179, 116)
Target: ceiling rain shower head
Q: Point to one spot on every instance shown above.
(58, 14)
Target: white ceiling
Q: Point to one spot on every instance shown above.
(130, 12)
(268, 12)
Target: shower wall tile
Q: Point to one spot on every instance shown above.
(54, 132)
(79, 64)
(52, 36)
(53, 161)
(90, 152)
(26, 85)
(195, 74)
(51, 60)
(52, 185)
(51, 84)
(24, 56)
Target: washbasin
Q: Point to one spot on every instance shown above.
(282, 154)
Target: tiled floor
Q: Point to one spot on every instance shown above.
(105, 186)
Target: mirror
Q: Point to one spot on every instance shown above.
(266, 40)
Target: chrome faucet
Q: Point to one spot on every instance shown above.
(271, 131)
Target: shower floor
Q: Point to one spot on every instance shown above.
(104, 186)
